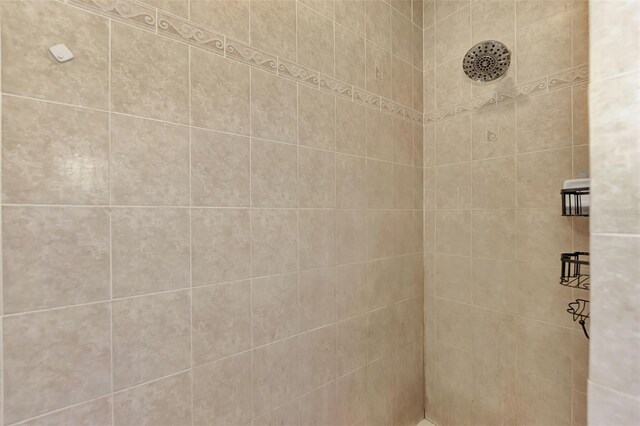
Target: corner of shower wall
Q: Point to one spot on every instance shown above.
(500, 347)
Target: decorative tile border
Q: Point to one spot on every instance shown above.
(569, 77)
(336, 87)
(174, 27)
(367, 98)
(523, 90)
(476, 104)
(241, 52)
(138, 14)
(182, 30)
(296, 72)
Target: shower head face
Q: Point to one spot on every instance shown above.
(486, 61)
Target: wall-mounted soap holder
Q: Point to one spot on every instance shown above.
(576, 200)
(580, 312)
(575, 270)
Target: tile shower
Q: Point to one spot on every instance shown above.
(243, 212)
(213, 213)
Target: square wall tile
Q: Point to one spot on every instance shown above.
(274, 168)
(274, 241)
(54, 256)
(494, 183)
(54, 154)
(273, 27)
(177, 7)
(542, 235)
(379, 292)
(317, 358)
(317, 298)
(149, 75)
(453, 277)
(453, 140)
(544, 121)
(402, 141)
(164, 401)
(538, 297)
(379, 135)
(316, 118)
(378, 66)
(351, 182)
(319, 406)
(30, 71)
(351, 122)
(493, 19)
(222, 392)
(380, 233)
(220, 245)
(545, 351)
(351, 344)
(540, 177)
(453, 35)
(220, 91)
(494, 234)
(230, 17)
(151, 337)
(401, 81)
(381, 404)
(274, 308)
(351, 235)
(317, 238)
(221, 321)
(150, 250)
(315, 40)
(452, 86)
(401, 36)
(96, 412)
(352, 397)
(402, 186)
(149, 162)
(219, 169)
(350, 14)
(351, 290)
(453, 186)
(494, 132)
(275, 375)
(378, 23)
(56, 358)
(453, 232)
(273, 107)
(544, 47)
(350, 57)
(316, 178)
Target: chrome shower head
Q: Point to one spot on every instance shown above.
(486, 61)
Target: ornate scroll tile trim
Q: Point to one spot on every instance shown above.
(569, 77)
(132, 12)
(337, 87)
(476, 104)
(296, 72)
(182, 30)
(367, 98)
(243, 53)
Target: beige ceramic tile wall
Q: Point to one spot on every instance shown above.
(614, 375)
(499, 345)
(190, 237)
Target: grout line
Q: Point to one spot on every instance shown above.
(190, 293)
(110, 212)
